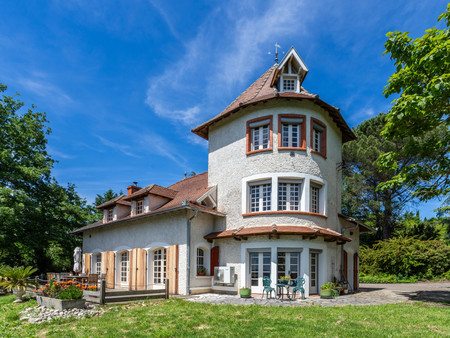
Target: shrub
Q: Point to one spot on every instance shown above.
(65, 290)
(406, 257)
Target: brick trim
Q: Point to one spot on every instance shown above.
(323, 139)
(248, 135)
(284, 212)
(302, 132)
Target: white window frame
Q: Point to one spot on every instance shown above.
(290, 188)
(96, 263)
(110, 215)
(316, 201)
(290, 131)
(305, 191)
(258, 131)
(260, 186)
(317, 140)
(140, 210)
(159, 280)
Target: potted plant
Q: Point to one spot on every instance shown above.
(201, 271)
(63, 295)
(327, 290)
(245, 292)
(16, 279)
(284, 280)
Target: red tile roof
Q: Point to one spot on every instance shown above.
(280, 230)
(116, 200)
(153, 189)
(262, 90)
(185, 195)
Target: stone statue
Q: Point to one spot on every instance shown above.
(77, 260)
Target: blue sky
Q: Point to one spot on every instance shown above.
(123, 82)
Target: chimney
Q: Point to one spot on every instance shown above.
(132, 188)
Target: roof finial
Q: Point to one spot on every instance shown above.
(276, 51)
(185, 174)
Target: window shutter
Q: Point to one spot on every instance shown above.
(87, 263)
(214, 259)
(172, 268)
(110, 269)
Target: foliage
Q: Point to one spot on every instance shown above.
(406, 257)
(201, 269)
(15, 277)
(411, 225)
(175, 318)
(36, 213)
(362, 176)
(65, 290)
(422, 81)
(385, 279)
(328, 286)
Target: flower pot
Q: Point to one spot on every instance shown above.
(283, 281)
(245, 293)
(201, 274)
(18, 292)
(60, 304)
(327, 294)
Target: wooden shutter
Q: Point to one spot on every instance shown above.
(141, 270)
(214, 259)
(355, 272)
(172, 268)
(104, 262)
(110, 269)
(87, 263)
(131, 269)
(345, 265)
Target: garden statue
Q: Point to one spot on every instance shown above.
(77, 260)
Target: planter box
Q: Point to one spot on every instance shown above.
(60, 304)
(327, 294)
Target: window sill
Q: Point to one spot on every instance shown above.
(197, 276)
(291, 148)
(284, 212)
(319, 153)
(258, 151)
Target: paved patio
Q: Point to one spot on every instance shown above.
(370, 294)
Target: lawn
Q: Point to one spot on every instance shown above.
(178, 317)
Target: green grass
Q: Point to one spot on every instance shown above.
(177, 317)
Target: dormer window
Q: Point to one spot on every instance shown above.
(139, 207)
(289, 84)
(109, 215)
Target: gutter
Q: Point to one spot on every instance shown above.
(188, 265)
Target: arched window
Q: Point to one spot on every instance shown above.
(201, 261)
(159, 266)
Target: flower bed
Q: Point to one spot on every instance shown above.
(63, 295)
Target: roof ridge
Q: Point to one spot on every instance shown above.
(187, 178)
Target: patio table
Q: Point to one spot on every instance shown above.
(280, 290)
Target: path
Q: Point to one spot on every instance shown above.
(370, 294)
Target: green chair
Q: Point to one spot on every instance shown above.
(299, 282)
(267, 288)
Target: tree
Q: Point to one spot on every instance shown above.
(362, 175)
(410, 225)
(422, 81)
(36, 213)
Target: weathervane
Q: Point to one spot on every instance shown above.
(276, 51)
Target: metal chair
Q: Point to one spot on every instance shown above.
(267, 288)
(299, 282)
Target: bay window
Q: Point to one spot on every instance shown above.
(260, 197)
(289, 196)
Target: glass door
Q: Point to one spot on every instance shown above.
(259, 267)
(313, 275)
(288, 264)
(124, 269)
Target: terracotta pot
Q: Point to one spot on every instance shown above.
(201, 274)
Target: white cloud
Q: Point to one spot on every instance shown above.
(45, 89)
(199, 83)
(123, 148)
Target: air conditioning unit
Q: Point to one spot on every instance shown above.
(224, 274)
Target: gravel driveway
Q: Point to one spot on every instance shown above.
(370, 294)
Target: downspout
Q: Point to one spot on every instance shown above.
(188, 265)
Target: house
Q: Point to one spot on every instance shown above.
(269, 204)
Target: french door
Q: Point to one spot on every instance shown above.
(313, 274)
(288, 264)
(159, 266)
(259, 267)
(124, 268)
